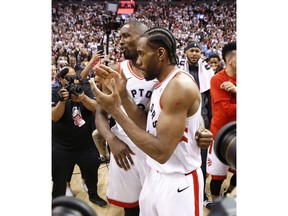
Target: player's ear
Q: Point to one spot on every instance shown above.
(161, 53)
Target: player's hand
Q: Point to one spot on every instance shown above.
(121, 152)
(104, 74)
(110, 103)
(121, 86)
(203, 137)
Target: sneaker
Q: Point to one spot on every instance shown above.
(225, 192)
(208, 204)
(84, 186)
(98, 201)
(69, 192)
(102, 159)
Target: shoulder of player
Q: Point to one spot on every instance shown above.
(179, 95)
(184, 79)
(181, 85)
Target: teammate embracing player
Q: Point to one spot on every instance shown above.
(128, 166)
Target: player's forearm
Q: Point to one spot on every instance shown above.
(148, 143)
(103, 126)
(137, 114)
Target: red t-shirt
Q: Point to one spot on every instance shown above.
(223, 102)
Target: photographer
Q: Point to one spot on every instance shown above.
(73, 108)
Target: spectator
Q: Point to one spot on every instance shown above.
(73, 63)
(223, 94)
(72, 143)
(214, 61)
(54, 72)
(202, 74)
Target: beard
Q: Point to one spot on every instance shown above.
(130, 55)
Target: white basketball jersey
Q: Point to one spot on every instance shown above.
(139, 89)
(187, 156)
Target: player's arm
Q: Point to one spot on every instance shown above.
(176, 107)
(138, 115)
(120, 150)
(104, 75)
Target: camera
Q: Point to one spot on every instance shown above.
(71, 206)
(225, 144)
(74, 85)
(110, 23)
(225, 150)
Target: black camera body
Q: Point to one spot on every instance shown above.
(110, 23)
(74, 85)
(225, 144)
(225, 150)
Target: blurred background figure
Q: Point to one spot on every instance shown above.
(223, 94)
(215, 62)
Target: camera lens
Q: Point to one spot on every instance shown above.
(76, 90)
(225, 144)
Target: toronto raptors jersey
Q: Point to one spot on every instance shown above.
(139, 89)
(186, 156)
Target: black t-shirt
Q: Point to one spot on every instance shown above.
(206, 111)
(65, 134)
(193, 70)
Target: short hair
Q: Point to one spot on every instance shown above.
(140, 26)
(64, 71)
(162, 37)
(228, 48)
(214, 55)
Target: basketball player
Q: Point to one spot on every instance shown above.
(202, 74)
(174, 184)
(125, 181)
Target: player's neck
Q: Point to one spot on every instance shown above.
(165, 72)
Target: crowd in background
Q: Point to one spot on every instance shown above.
(78, 28)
